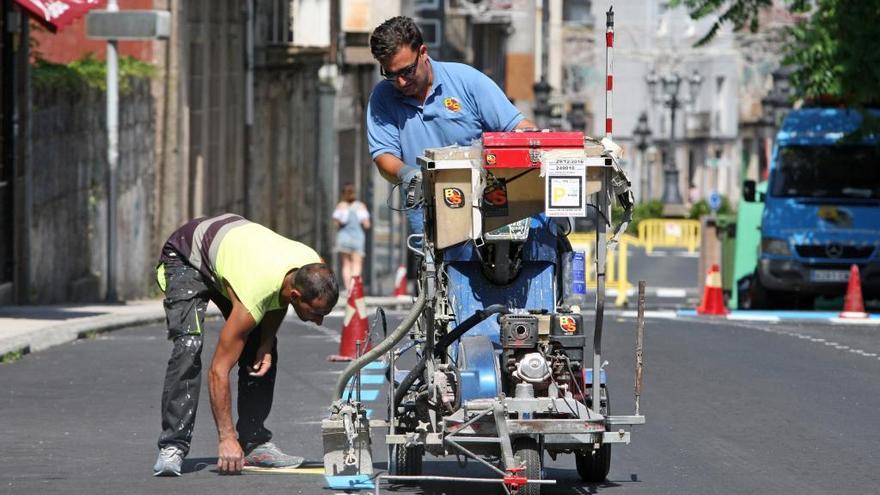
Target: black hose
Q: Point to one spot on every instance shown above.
(471, 322)
(455, 334)
(387, 344)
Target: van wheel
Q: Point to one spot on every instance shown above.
(761, 297)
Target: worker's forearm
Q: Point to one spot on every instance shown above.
(270, 325)
(267, 335)
(389, 167)
(221, 403)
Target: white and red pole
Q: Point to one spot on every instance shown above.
(609, 76)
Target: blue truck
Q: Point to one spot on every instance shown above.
(821, 210)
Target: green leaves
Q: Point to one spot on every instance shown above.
(88, 71)
(834, 50)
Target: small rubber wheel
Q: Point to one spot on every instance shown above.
(525, 450)
(593, 465)
(407, 460)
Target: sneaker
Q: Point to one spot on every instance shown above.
(270, 456)
(169, 462)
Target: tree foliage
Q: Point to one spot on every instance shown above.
(834, 51)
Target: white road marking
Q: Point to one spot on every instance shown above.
(851, 321)
(332, 334)
(767, 318)
(670, 314)
(666, 292)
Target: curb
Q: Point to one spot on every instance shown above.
(80, 328)
(63, 333)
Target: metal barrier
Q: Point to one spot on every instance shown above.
(616, 265)
(662, 232)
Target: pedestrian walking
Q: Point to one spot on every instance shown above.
(252, 274)
(352, 219)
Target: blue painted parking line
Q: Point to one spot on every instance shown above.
(756, 315)
(376, 365)
(372, 380)
(369, 379)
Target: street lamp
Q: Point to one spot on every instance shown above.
(777, 102)
(577, 116)
(642, 134)
(775, 106)
(542, 103)
(668, 96)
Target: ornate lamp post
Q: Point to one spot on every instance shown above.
(775, 106)
(642, 136)
(577, 116)
(668, 96)
(542, 103)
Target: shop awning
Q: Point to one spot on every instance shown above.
(56, 14)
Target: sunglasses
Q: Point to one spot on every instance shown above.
(407, 72)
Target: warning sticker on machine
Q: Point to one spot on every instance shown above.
(565, 194)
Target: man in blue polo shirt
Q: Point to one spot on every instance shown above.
(423, 103)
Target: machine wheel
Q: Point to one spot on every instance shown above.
(406, 460)
(525, 450)
(593, 467)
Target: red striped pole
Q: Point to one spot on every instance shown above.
(609, 76)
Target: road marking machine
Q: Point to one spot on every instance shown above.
(501, 371)
(499, 351)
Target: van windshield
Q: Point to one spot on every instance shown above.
(827, 172)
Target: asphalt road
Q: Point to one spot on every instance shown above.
(732, 408)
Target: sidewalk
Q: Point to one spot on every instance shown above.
(26, 329)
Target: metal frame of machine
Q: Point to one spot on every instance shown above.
(544, 390)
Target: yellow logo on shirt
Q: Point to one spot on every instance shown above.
(452, 104)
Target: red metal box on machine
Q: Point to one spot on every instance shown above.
(522, 149)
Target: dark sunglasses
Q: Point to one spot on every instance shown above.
(407, 72)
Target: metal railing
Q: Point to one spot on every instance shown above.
(663, 232)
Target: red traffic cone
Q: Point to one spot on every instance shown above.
(853, 304)
(354, 327)
(713, 297)
(400, 286)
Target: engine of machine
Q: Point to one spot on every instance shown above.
(542, 354)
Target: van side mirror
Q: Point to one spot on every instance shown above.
(749, 188)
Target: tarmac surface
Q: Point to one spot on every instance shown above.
(764, 404)
(732, 407)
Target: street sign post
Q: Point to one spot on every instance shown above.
(112, 25)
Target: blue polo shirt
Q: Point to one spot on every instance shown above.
(462, 103)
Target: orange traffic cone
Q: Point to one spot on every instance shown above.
(354, 327)
(713, 298)
(853, 304)
(400, 286)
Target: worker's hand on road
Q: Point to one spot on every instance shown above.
(263, 363)
(230, 457)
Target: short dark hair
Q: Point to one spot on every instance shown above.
(391, 35)
(316, 281)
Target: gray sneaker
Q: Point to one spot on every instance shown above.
(268, 455)
(169, 462)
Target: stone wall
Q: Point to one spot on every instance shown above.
(288, 190)
(68, 164)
